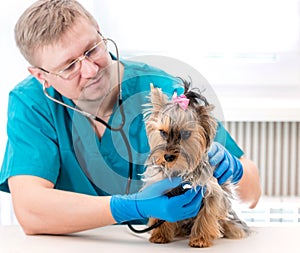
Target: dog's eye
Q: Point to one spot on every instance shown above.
(185, 134)
(163, 134)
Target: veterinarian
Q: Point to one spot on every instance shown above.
(67, 170)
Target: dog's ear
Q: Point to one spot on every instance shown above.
(158, 99)
(207, 121)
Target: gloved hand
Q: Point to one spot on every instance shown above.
(226, 165)
(151, 202)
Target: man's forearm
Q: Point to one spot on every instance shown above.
(249, 188)
(49, 211)
(66, 212)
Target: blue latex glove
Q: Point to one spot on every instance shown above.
(151, 202)
(226, 165)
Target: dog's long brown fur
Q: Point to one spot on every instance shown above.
(179, 140)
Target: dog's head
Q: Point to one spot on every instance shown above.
(180, 130)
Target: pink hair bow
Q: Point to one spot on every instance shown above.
(182, 101)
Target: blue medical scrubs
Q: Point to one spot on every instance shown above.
(48, 140)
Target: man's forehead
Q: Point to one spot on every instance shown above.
(73, 43)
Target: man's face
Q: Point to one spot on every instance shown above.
(94, 78)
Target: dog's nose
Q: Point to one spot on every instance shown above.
(169, 158)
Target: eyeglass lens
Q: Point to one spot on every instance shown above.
(92, 54)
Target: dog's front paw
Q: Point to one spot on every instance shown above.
(164, 233)
(198, 242)
(159, 238)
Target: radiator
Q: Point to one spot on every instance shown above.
(275, 148)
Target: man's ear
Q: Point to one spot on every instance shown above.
(38, 74)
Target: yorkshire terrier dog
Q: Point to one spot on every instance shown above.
(180, 132)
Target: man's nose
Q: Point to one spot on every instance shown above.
(88, 68)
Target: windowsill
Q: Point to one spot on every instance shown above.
(259, 104)
(260, 109)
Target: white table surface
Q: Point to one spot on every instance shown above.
(121, 239)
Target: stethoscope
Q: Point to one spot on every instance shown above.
(110, 127)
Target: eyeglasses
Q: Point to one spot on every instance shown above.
(72, 69)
